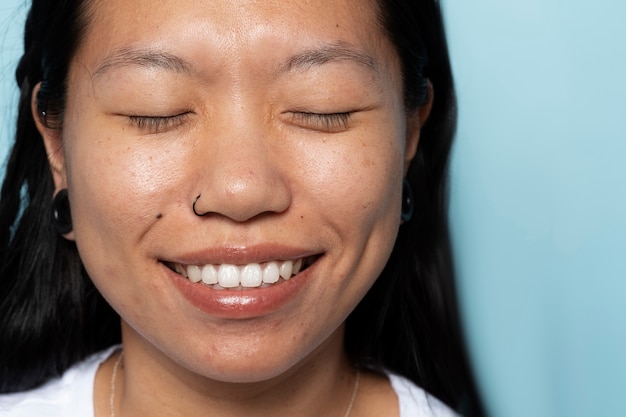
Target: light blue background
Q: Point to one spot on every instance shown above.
(538, 200)
(12, 15)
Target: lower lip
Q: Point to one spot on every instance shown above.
(241, 303)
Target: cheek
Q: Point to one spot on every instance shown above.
(355, 193)
(354, 184)
(118, 192)
(359, 174)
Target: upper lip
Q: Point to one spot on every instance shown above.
(241, 255)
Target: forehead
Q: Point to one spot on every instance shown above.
(231, 12)
(220, 27)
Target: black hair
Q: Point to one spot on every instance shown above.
(51, 315)
(409, 320)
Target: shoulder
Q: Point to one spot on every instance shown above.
(69, 395)
(414, 401)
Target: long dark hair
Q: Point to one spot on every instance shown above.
(409, 320)
(51, 315)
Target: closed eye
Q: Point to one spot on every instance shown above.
(325, 122)
(157, 124)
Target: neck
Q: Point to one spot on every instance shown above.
(152, 384)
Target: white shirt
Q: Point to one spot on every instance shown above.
(72, 395)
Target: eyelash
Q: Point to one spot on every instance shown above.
(157, 124)
(331, 122)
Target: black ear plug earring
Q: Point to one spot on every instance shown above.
(407, 201)
(61, 215)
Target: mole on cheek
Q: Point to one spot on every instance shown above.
(158, 216)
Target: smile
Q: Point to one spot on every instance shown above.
(253, 275)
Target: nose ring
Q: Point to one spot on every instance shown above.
(193, 207)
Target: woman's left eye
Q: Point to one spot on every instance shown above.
(324, 122)
(157, 124)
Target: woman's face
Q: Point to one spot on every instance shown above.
(286, 118)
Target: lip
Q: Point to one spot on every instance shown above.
(242, 303)
(242, 255)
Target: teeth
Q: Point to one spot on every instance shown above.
(271, 273)
(248, 276)
(194, 273)
(297, 265)
(209, 274)
(181, 270)
(228, 276)
(251, 276)
(286, 269)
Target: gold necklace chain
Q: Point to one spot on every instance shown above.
(118, 361)
(113, 375)
(354, 391)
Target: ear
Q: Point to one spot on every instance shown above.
(415, 121)
(53, 142)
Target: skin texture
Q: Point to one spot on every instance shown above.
(276, 180)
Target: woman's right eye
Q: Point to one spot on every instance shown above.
(157, 124)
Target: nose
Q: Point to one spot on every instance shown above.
(241, 177)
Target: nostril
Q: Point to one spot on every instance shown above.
(241, 185)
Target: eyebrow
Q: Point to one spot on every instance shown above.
(146, 58)
(329, 53)
(150, 58)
